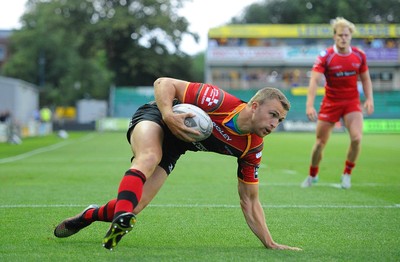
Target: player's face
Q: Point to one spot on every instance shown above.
(342, 39)
(267, 117)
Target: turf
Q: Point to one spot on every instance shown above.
(196, 215)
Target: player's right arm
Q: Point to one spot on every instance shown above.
(254, 215)
(367, 87)
(165, 91)
(312, 92)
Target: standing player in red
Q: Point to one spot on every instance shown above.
(341, 65)
(158, 138)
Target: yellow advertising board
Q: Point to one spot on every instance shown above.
(300, 31)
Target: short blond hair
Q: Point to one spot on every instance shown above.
(341, 22)
(270, 93)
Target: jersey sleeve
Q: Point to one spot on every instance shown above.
(319, 63)
(364, 65)
(205, 96)
(248, 166)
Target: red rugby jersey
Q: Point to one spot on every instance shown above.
(341, 72)
(222, 107)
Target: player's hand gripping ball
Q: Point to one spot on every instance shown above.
(201, 122)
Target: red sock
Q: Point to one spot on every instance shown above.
(129, 192)
(104, 213)
(314, 171)
(348, 167)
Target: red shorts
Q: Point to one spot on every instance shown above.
(332, 111)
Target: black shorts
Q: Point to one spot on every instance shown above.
(172, 147)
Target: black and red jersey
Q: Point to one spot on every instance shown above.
(222, 107)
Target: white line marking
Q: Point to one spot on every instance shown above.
(32, 153)
(41, 150)
(289, 171)
(276, 206)
(319, 184)
(213, 206)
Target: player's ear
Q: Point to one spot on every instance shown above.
(254, 105)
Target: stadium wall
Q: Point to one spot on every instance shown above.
(386, 118)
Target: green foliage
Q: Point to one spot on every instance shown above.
(142, 39)
(196, 215)
(320, 11)
(198, 67)
(75, 49)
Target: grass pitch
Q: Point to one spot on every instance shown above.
(196, 215)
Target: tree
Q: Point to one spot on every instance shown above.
(198, 67)
(142, 39)
(320, 11)
(77, 48)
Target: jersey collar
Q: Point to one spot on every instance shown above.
(337, 52)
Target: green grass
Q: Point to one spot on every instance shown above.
(196, 215)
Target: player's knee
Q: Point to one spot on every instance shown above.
(148, 161)
(356, 140)
(320, 144)
(151, 160)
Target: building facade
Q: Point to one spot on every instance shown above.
(4, 46)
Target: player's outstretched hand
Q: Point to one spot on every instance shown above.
(284, 247)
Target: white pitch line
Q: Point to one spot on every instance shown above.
(32, 153)
(319, 184)
(40, 150)
(276, 206)
(215, 206)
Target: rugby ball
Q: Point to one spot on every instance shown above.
(200, 122)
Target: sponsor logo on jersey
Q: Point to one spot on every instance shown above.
(199, 146)
(222, 132)
(210, 97)
(258, 155)
(211, 101)
(256, 172)
(345, 73)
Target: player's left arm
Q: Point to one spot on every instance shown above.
(165, 91)
(367, 87)
(254, 215)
